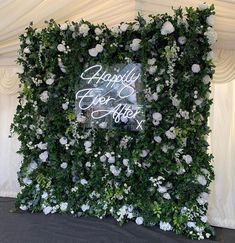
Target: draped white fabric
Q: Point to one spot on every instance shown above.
(221, 205)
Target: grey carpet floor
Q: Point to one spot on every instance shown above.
(23, 227)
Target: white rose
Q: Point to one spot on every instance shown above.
(64, 26)
(99, 48)
(201, 180)
(165, 226)
(47, 210)
(50, 81)
(84, 29)
(203, 6)
(85, 207)
(63, 206)
(87, 144)
(93, 52)
(83, 182)
(43, 156)
(115, 170)
(98, 31)
(210, 20)
(26, 50)
(61, 48)
(152, 69)
(65, 106)
(44, 96)
(157, 116)
(139, 220)
(158, 139)
(111, 159)
(182, 40)
(103, 158)
(151, 61)
(63, 140)
(64, 165)
(72, 28)
(211, 36)
(32, 166)
(123, 27)
(188, 159)
(167, 28)
(136, 26)
(206, 79)
(135, 45)
(195, 68)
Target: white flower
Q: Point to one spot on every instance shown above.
(203, 198)
(61, 48)
(65, 106)
(88, 164)
(204, 219)
(83, 29)
(103, 125)
(63, 140)
(47, 210)
(201, 180)
(191, 224)
(111, 159)
(32, 166)
(83, 182)
(44, 195)
(99, 48)
(93, 52)
(27, 181)
(211, 36)
(198, 101)
(72, 28)
(210, 56)
(63, 206)
(182, 40)
(87, 144)
(50, 81)
(210, 20)
(98, 31)
(103, 158)
(136, 26)
(144, 153)
(157, 116)
(135, 45)
(44, 96)
(165, 226)
(123, 27)
(157, 139)
(188, 159)
(151, 61)
(175, 101)
(23, 207)
(42, 146)
(203, 6)
(85, 207)
(26, 50)
(167, 196)
(162, 189)
(64, 26)
(64, 165)
(206, 79)
(167, 28)
(125, 162)
(115, 170)
(171, 133)
(154, 96)
(139, 220)
(115, 29)
(43, 156)
(195, 68)
(152, 69)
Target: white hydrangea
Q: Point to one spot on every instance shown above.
(84, 29)
(43, 156)
(167, 28)
(135, 45)
(64, 165)
(63, 206)
(44, 96)
(201, 180)
(195, 68)
(139, 220)
(210, 20)
(211, 36)
(165, 226)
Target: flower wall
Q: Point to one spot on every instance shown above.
(155, 176)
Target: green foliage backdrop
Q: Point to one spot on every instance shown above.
(156, 176)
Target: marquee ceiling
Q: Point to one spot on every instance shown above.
(17, 14)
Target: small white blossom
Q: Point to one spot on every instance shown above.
(139, 220)
(98, 31)
(135, 45)
(211, 36)
(206, 79)
(167, 196)
(165, 226)
(87, 144)
(44, 96)
(210, 20)
(64, 26)
(123, 27)
(84, 29)
(201, 180)
(188, 159)
(151, 61)
(195, 68)
(64, 165)
(125, 162)
(23, 207)
(203, 6)
(152, 70)
(61, 48)
(115, 170)
(103, 158)
(65, 106)
(27, 181)
(157, 139)
(136, 26)
(50, 81)
(83, 182)
(63, 206)
(43, 156)
(167, 28)
(26, 50)
(47, 210)
(63, 140)
(144, 153)
(103, 125)
(44, 195)
(182, 40)
(85, 207)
